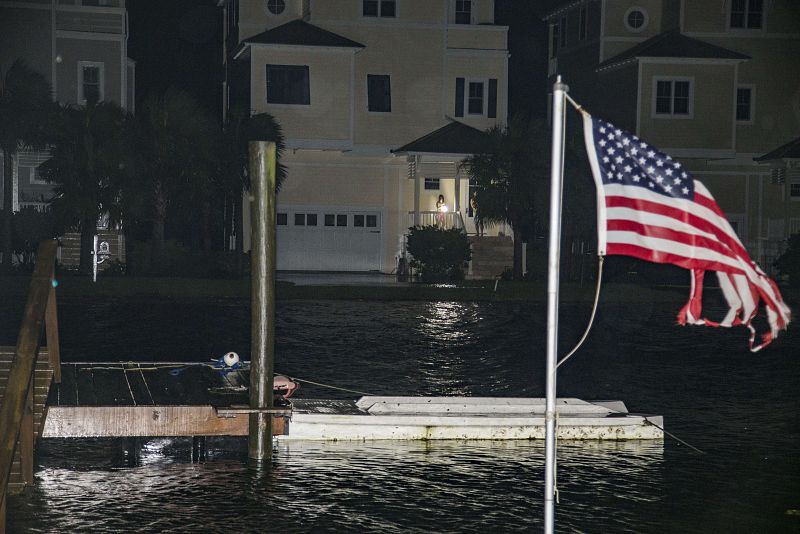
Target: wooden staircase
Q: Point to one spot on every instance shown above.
(21, 472)
(491, 255)
(26, 372)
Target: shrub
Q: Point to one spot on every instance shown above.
(438, 254)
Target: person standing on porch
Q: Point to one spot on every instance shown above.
(473, 202)
(441, 209)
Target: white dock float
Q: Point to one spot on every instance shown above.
(490, 418)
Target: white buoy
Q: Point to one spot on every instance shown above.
(231, 359)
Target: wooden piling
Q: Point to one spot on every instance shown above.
(262, 297)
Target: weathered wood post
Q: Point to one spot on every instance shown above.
(262, 297)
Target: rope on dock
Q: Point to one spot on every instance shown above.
(332, 387)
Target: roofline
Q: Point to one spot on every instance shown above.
(566, 7)
(669, 60)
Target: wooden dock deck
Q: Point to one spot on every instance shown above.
(130, 399)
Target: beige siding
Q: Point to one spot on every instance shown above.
(463, 36)
(255, 18)
(26, 30)
(475, 68)
(328, 115)
(712, 122)
(74, 50)
(780, 17)
(615, 19)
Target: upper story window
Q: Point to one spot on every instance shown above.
(583, 15)
(432, 184)
(379, 8)
(476, 97)
(747, 14)
(276, 7)
(90, 82)
(673, 98)
(636, 19)
(288, 84)
(379, 94)
(463, 13)
(744, 103)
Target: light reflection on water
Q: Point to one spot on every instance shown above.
(386, 487)
(741, 409)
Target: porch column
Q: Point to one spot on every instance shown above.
(417, 188)
(457, 206)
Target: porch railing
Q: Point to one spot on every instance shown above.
(446, 220)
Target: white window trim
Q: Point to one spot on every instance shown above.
(485, 104)
(752, 88)
(101, 79)
(644, 25)
(671, 115)
(793, 198)
(396, 11)
(746, 9)
(452, 13)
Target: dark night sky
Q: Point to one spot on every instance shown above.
(179, 43)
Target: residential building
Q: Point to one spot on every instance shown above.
(713, 83)
(81, 47)
(379, 102)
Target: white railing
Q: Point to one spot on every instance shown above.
(446, 220)
(41, 207)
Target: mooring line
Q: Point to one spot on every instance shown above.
(670, 434)
(333, 387)
(130, 390)
(152, 400)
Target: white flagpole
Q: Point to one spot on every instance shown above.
(556, 179)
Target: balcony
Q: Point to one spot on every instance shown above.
(446, 220)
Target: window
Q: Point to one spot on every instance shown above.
(794, 190)
(330, 219)
(747, 14)
(582, 22)
(563, 33)
(282, 219)
(311, 219)
(341, 220)
(276, 7)
(463, 12)
(90, 82)
(379, 8)
(476, 97)
(673, 98)
(358, 220)
(372, 221)
(636, 19)
(288, 84)
(432, 184)
(744, 104)
(554, 39)
(379, 94)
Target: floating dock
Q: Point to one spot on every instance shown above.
(180, 399)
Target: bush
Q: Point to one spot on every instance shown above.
(30, 227)
(789, 262)
(181, 262)
(438, 254)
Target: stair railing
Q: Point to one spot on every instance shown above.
(16, 411)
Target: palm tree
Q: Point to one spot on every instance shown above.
(25, 103)
(90, 157)
(241, 128)
(509, 175)
(175, 139)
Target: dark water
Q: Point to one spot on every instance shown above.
(742, 410)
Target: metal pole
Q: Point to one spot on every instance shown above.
(556, 180)
(262, 297)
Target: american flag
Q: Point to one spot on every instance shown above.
(651, 208)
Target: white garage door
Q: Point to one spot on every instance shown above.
(328, 239)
